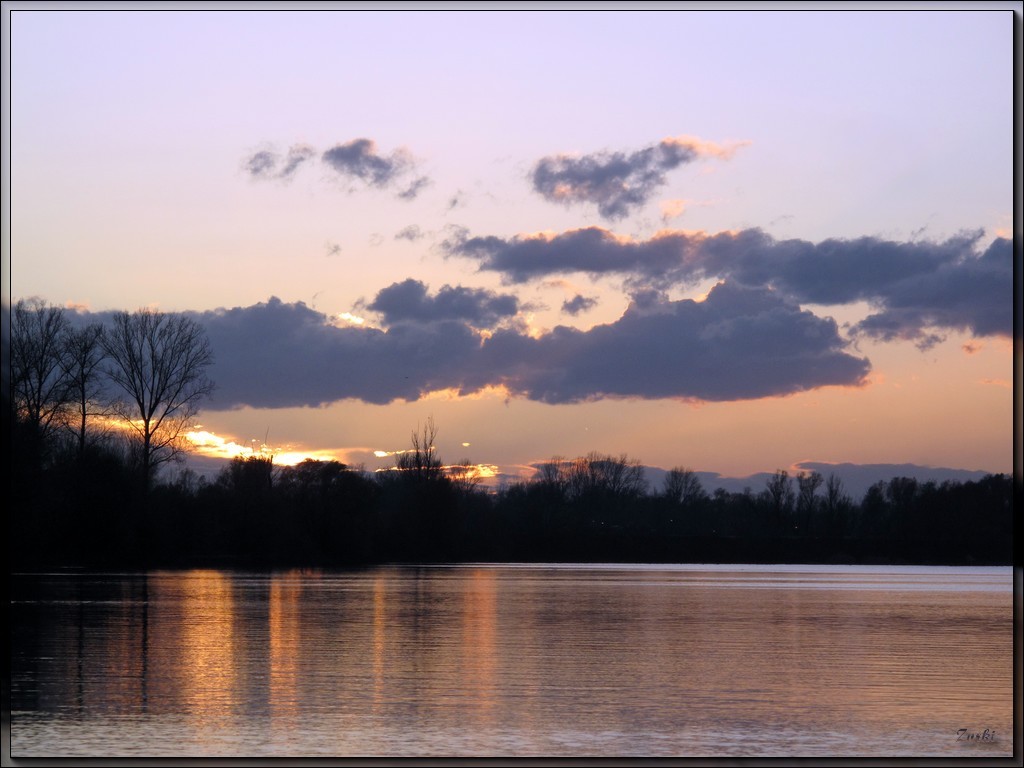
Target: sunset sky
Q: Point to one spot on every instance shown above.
(735, 241)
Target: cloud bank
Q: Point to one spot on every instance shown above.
(618, 182)
(739, 343)
(913, 286)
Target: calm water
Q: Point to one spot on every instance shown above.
(515, 661)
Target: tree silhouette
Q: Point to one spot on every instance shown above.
(159, 361)
(683, 486)
(837, 504)
(38, 381)
(778, 494)
(806, 501)
(597, 475)
(421, 462)
(81, 363)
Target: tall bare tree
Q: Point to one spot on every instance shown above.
(421, 463)
(82, 360)
(779, 495)
(38, 382)
(159, 361)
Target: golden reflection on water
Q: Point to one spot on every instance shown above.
(379, 640)
(479, 647)
(208, 678)
(451, 661)
(285, 624)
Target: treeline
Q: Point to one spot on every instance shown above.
(91, 511)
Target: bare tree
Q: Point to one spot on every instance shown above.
(808, 484)
(81, 363)
(552, 474)
(806, 501)
(421, 462)
(159, 361)
(605, 475)
(463, 476)
(683, 486)
(837, 503)
(38, 381)
(778, 493)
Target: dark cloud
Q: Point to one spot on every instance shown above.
(594, 250)
(408, 302)
(296, 156)
(914, 286)
(277, 355)
(617, 182)
(411, 233)
(740, 343)
(261, 164)
(359, 159)
(414, 188)
(964, 294)
(578, 303)
(267, 164)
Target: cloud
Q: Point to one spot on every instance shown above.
(414, 188)
(260, 165)
(740, 343)
(578, 303)
(618, 182)
(359, 159)
(593, 250)
(672, 209)
(356, 159)
(411, 233)
(297, 155)
(964, 293)
(915, 287)
(268, 164)
(277, 355)
(408, 302)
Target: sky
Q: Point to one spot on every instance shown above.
(736, 241)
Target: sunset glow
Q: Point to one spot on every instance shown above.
(564, 280)
(512, 380)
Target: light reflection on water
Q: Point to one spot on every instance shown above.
(515, 661)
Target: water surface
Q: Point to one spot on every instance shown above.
(605, 660)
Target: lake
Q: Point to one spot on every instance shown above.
(515, 661)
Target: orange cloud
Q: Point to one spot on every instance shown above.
(706, 148)
(673, 209)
